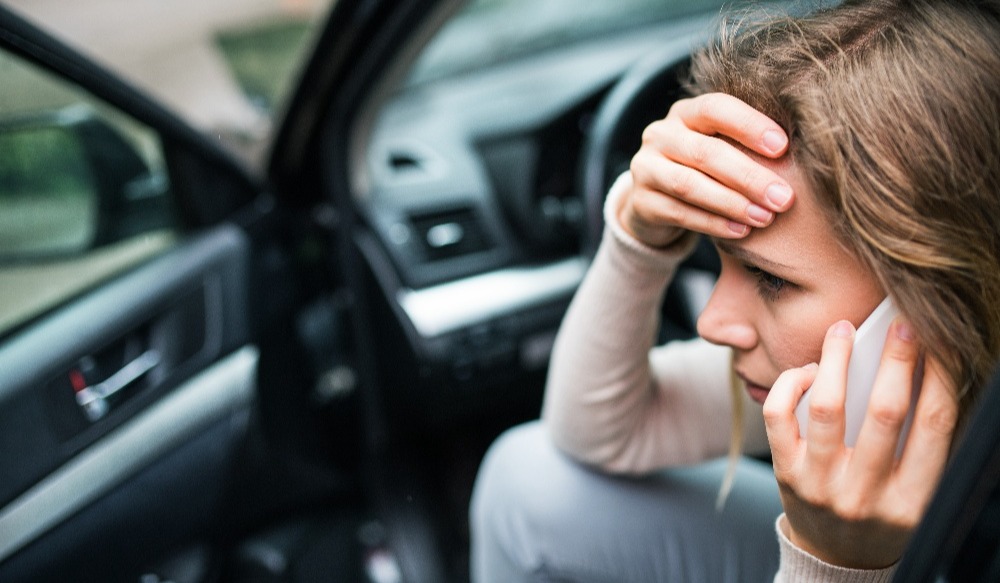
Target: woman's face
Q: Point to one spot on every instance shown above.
(781, 287)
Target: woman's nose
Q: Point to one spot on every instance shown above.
(726, 318)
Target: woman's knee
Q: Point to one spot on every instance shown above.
(512, 480)
(500, 535)
(535, 511)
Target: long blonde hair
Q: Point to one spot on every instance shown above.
(893, 112)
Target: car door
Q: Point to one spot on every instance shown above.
(127, 370)
(178, 339)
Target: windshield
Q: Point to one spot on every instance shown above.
(488, 32)
(224, 66)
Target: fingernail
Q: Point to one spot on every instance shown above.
(759, 214)
(778, 195)
(904, 331)
(738, 228)
(842, 329)
(811, 366)
(774, 140)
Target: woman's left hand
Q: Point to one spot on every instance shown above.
(857, 507)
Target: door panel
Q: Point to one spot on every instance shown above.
(166, 511)
(183, 318)
(127, 377)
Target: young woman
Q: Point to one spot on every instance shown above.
(834, 160)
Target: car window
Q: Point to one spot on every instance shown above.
(83, 192)
(488, 32)
(224, 66)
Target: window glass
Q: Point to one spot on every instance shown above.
(83, 192)
(224, 66)
(487, 32)
(41, 210)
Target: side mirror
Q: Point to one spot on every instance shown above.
(69, 182)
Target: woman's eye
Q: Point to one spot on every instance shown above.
(768, 285)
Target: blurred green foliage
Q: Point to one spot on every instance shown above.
(45, 161)
(265, 59)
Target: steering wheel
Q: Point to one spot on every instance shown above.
(643, 95)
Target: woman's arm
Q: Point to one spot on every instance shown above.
(615, 401)
(798, 565)
(611, 401)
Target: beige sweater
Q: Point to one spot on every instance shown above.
(615, 401)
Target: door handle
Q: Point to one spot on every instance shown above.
(94, 399)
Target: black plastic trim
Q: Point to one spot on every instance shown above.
(964, 493)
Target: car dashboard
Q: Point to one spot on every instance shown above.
(474, 200)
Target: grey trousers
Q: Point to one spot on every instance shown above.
(538, 516)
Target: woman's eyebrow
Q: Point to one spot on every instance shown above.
(747, 256)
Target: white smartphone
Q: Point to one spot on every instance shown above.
(865, 357)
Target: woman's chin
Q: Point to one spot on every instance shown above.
(757, 392)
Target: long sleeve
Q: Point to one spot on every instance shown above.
(612, 399)
(798, 565)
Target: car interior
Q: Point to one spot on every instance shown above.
(290, 370)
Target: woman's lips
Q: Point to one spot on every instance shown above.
(757, 392)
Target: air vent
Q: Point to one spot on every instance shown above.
(401, 161)
(448, 234)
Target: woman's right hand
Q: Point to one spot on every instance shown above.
(692, 174)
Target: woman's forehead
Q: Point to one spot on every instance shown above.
(801, 237)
